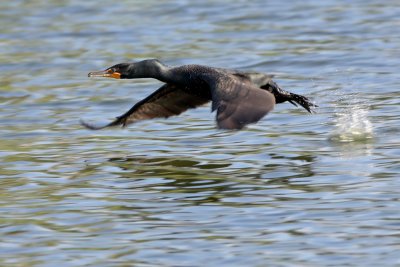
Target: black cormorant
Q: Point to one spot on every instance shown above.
(238, 97)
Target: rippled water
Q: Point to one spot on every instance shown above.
(293, 190)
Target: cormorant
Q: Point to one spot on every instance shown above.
(238, 97)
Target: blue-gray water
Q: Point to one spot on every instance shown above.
(293, 190)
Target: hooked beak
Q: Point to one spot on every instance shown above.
(105, 73)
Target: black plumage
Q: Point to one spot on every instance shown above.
(240, 98)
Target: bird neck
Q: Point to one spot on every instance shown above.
(151, 68)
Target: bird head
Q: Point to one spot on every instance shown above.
(119, 71)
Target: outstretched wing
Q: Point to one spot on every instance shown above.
(239, 103)
(168, 100)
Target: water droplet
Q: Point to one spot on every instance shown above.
(352, 124)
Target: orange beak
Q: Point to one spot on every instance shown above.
(105, 73)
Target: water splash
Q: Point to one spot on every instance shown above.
(351, 121)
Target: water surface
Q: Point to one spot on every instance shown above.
(293, 190)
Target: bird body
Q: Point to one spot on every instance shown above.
(240, 98)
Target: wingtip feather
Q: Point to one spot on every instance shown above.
(92, 126)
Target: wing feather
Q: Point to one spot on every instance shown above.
(169, 100)
(239, 104)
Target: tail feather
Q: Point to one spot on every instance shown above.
(293, 103)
